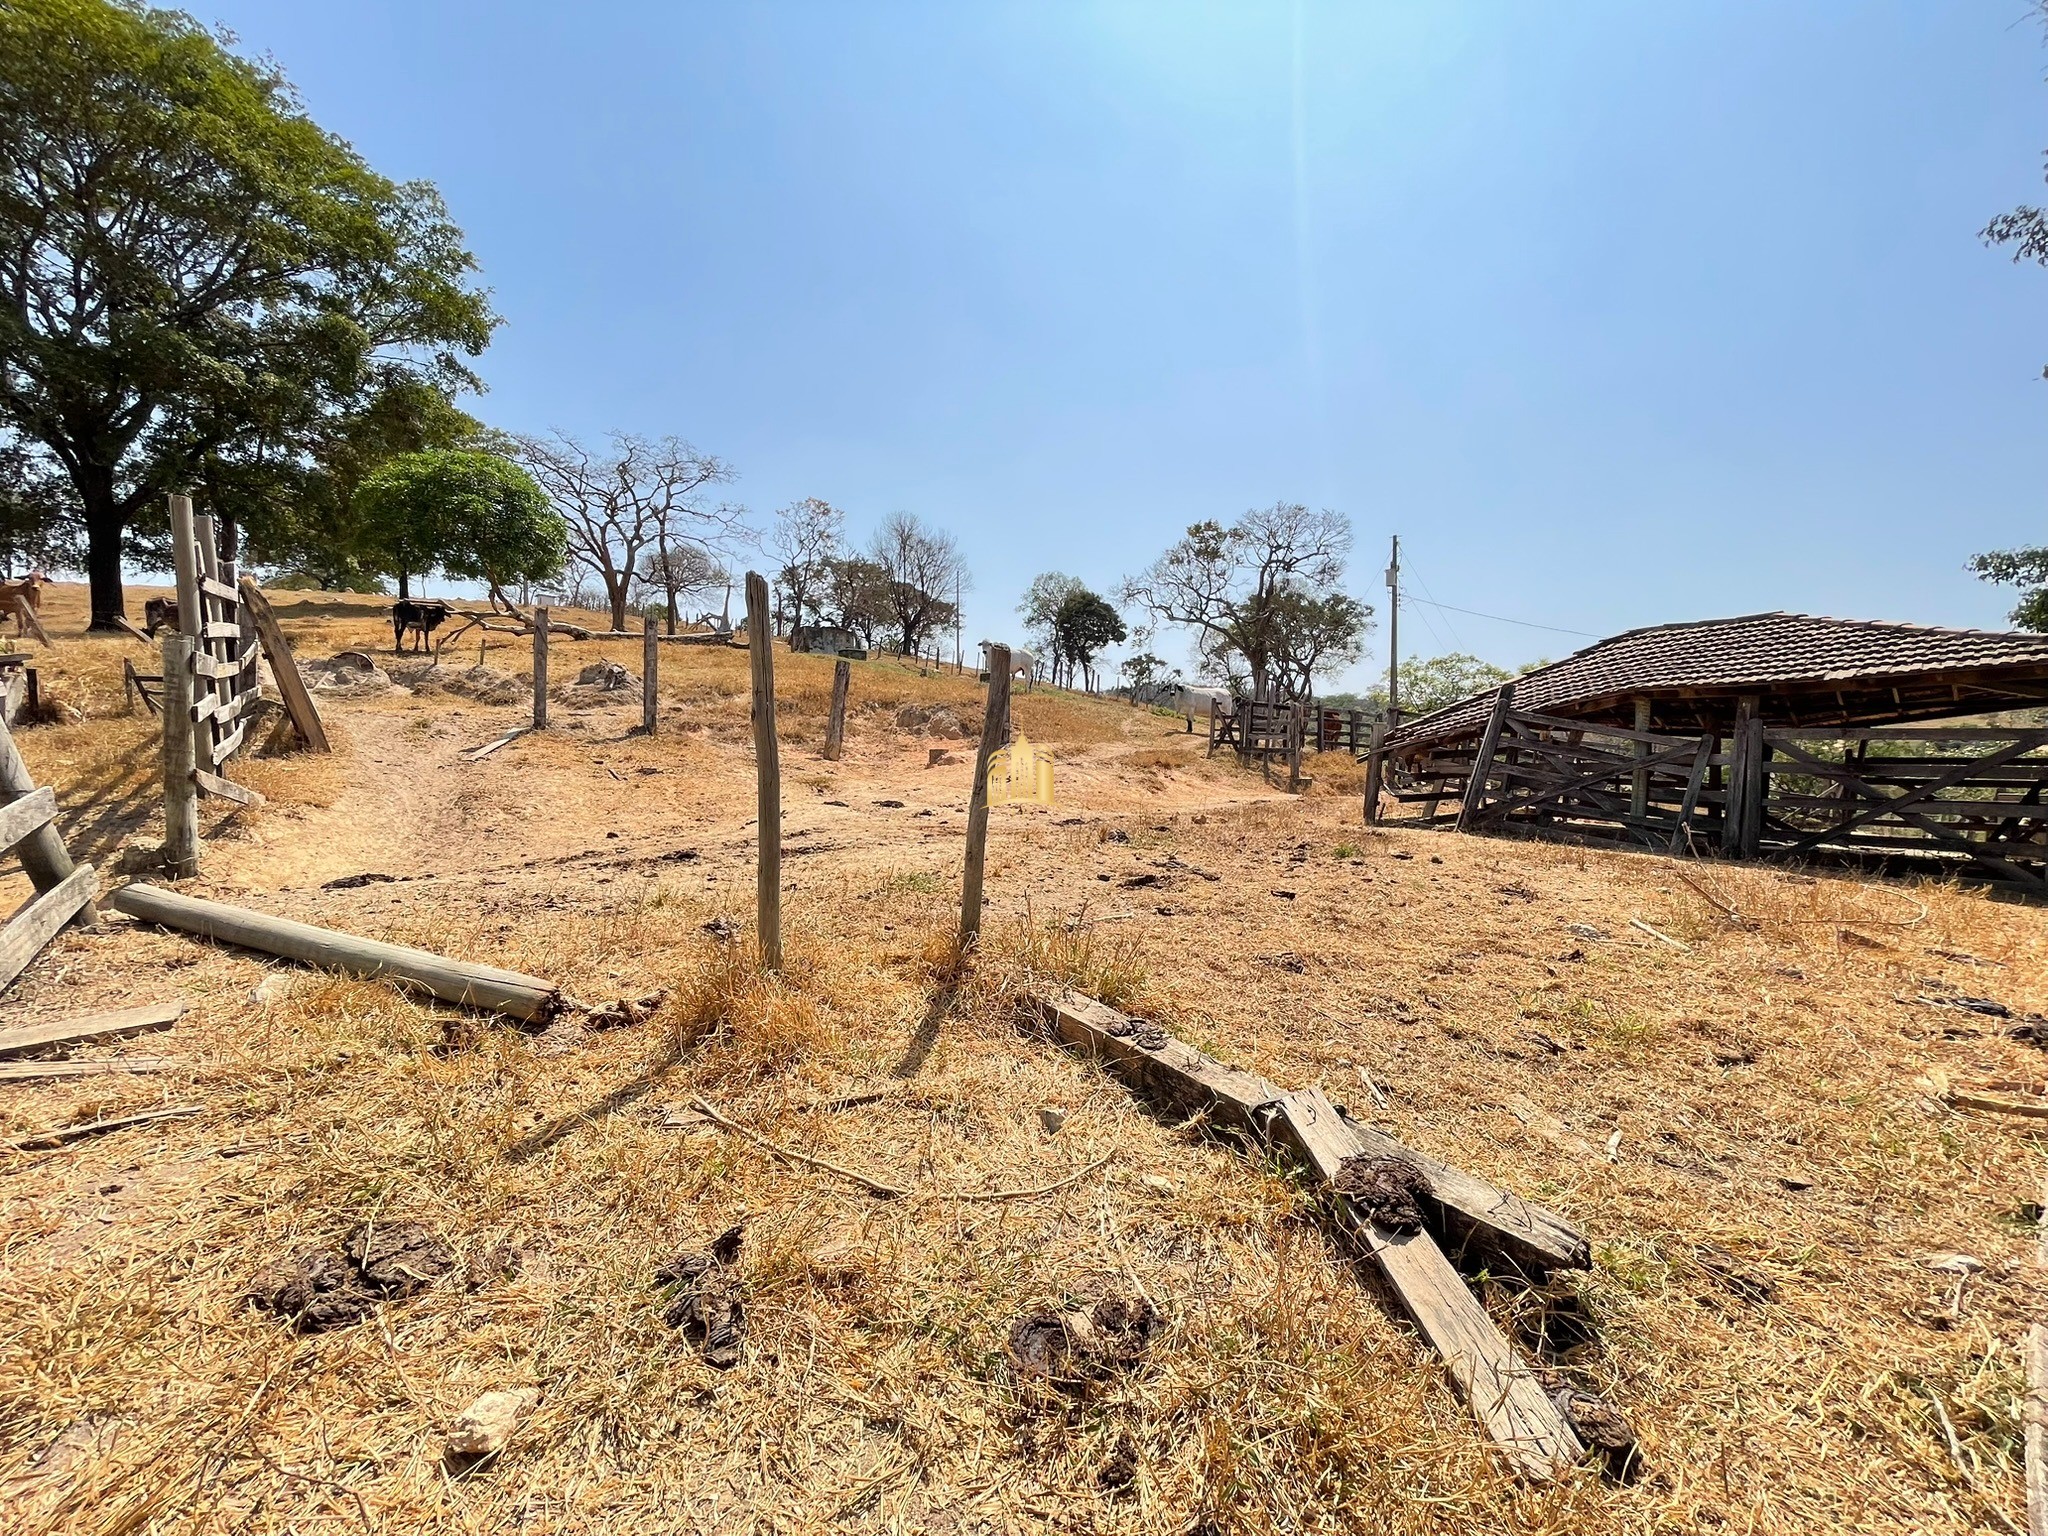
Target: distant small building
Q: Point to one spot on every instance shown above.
(826, 640)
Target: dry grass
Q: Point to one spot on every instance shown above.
(1764, 1083)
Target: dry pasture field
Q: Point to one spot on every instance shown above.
(1747, 1118)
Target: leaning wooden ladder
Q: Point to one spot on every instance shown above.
(64, 890)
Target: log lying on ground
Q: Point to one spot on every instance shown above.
(1469, 1215)
(1495, 1382)
(454, 981)
(91, 1026)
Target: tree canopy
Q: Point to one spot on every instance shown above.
(1264, 591)
(474, 516)
(1083, 628)
(2026, 568)
(195, 279)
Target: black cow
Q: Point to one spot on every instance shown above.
(421, 619)
(159, 613)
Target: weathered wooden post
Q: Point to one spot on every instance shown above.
(1639, 781)
(835, 721)
(1482, 763)
(1375, 771)
(1297, 727)
(185, 562)
(767, 774)
(995, 722)
(181, 793)
(1741, 788)
(540, 669)
(650, 672)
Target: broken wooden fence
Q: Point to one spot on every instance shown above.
(1464, 1212)
(1973, 802)
(64, 890)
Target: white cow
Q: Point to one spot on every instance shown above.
(1192, 699)
(1022, 663)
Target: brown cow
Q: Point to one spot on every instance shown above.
(23, 597)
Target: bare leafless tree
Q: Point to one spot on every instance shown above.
(805, 542)
(685, 571)
(926, 572)
(643, 496)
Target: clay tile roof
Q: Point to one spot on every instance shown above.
(1758, 652)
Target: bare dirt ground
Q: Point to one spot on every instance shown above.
(1749, 1123)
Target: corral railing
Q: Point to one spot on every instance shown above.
(1972, 802)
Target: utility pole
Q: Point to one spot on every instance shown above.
(1394, 636)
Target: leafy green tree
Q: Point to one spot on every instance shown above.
(2026, 568)
(474, 516)
(1083, 627)
(858, 596)
(195, 279)
(1040, 608)
(1230, 585)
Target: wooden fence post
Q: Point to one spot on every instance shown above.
(994, 733)
(650, 672)
(835, 721)
(1739, 791)
(1482, 764)
(1639, 782)
(767, 775)
(1375, 772)
(540, 669)
(1297, 727)
(181, 793)
(185, 562)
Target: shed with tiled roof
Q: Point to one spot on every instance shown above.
(1802, 670)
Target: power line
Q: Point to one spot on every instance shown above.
(1503, 619)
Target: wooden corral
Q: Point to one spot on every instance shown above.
(1773, 735)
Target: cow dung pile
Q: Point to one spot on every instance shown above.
(321, 1288)
(1081, 1348)
(483, 683)
(705, 1298)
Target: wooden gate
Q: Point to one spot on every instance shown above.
(225, 683)
(1970, 799)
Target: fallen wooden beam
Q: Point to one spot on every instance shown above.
(1472, 1216)
(225, 789)
(56, 1136)
(25, 1071)
(484, 751)
(91, 1026)
(1495, 1382)
(455, 981)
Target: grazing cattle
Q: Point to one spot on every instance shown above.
(23, 597)
(1191, 699)
(159, 613)
(1022, 663)
(421, 619)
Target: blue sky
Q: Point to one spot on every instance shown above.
(1618, 314)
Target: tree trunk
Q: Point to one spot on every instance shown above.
(404, 584)
(104, 525)
(615, 589)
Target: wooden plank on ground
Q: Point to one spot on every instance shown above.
(226, 789)
(1172, 1074)
(58, 1135)
(32, 1071)
(92, 1026)
(489, 747)
(37, 923)
(1494, 1381)
(1472, 1215)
